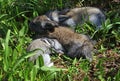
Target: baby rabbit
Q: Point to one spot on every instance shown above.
(44, 47)
(75, 16)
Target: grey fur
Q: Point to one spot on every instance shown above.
(43, 22)
(44, 47)
(76, 45)
(75, 16)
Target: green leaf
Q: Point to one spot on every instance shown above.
(53, 69)
(33, 74)
(117, 76)
(20, 60)
(2, 17)
(39, 61)
(101, 78)
(21, 32)
(86, 78)
(107, 22)
(74, 61)
(117, 22)
(6, 51)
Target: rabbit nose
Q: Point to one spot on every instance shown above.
(32, 24)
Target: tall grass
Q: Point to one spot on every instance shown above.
(15, 37)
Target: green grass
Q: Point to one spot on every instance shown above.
(15, 37)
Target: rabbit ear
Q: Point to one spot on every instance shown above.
(50, 26)
(63, 18)
(62, 15)
(63, 12)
